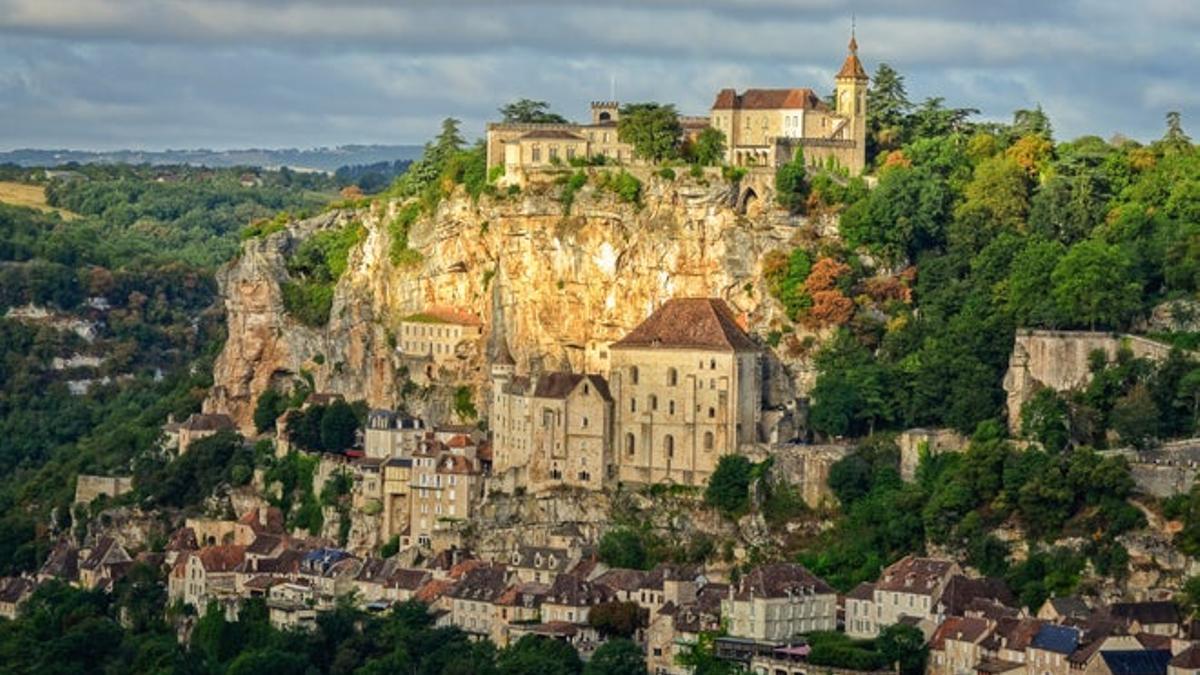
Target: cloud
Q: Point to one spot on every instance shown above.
(156, 73)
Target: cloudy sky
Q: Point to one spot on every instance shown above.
(108, 74)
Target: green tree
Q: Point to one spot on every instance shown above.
(617, 657)
(1175, 138)
(709, 147)
(791, 189)
(271, 404)
(903, 646)
(1045, 419)
(728, 488)
(616, 618)
(1136, 418)
(1029, 279)
(535, 654)
(526, 111)
(338, 427)
(623, 547)
(903, 216)
(1032, 123)
(1093, 285)
(887, 109)
(652, 129)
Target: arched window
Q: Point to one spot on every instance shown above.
(671, 407)
(632, 405)
(708, 440)
(585, 422)
(712, 412)
(669, 445)
(712, 364)
(672, 377)
(633, 374)
(629, 444)
(653, 402)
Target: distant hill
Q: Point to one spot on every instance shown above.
(317, 159)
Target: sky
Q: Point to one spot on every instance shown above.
(158, 74)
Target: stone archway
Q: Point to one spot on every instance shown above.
(747, 200)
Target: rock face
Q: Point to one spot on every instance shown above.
(566, 286)
(1059, 360)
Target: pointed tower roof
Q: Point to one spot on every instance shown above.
(852, 68)
(504, 357)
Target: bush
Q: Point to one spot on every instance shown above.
(666, 173)
(571, 185)
(464, 403)
(728, 488)
(309, 302)
(624, 547)
(401, 255)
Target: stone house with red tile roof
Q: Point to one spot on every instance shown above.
(207, 574)
(779, 601)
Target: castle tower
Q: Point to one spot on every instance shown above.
(851, 92)
(605, 112)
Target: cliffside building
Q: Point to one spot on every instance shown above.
(686, 384)
(438, 334)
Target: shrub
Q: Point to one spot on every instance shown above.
(666, 173)
(571, 185)
(464, 404)
(308, 302)
(400, 254)
(728, 488)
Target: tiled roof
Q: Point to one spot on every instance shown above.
(1071, 605)
(541, 558)
(1188, 658)
(208, 422)
(551, 134)
(63, 562)
(184, 539)
(863, 591)
(690, 323)
(221, 558)
(432, 590)
(406, 579)
(1016, 634)
(484, 584)
(852, 68)
(622, 579)
(14, 589)
(559, 385)
(959, 629)
(914, 575)
(780, 580)
(444, 315)
(961, 590)
(575, 592)
(768, 99)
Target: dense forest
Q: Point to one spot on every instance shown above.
(135, 264)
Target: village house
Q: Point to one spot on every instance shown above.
(677, 627)
(472, 607)
(519, 604)
(292, 606)
(910, 588)
(538, 564)
(103, 563)
(955, 647)
(1050, 649)
(391, 434)
(778, 601)
(446, 485)
(1156, 618)
(201, 425)
(686, 384)
(62, 563)
(439, 335)
(397, 501)
(207, 574)
(519, 147)
(14, 591)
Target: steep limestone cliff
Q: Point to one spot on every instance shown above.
(567, 286)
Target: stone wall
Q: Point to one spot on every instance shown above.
(933, 441)
(88, 488)
(1167, 470)
(808, 467)
(1059, 360)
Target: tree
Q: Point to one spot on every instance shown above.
(338, 427)
(617, 619)
(652, 129)
(1030, 277)
(904, 646)
(905, 215)
(536, 654)
(623, 547)
(271, 404)
(728, 488)
(1135, 418)
(1045, 419)
(1032, 123)
(1093, 285)
(791, 189)
(1175, 138)
(887, 109)
(709, 147)
(617, 657)
(526, 111)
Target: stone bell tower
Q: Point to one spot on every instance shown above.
(851, 92)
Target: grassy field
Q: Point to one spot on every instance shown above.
(33, 196)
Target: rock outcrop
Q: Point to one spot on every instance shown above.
(567, 286)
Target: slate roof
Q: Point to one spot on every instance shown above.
(1188, 658)
(621, 579)
(575, 592)
(559, 385)
(551, 134)
(540, 558)
(690, 323)
(961, 590)
(1146, 613)
(15, 589)
(406, 579)
(1016, 634)
(863, 591)
(484, 584)
(63, 562)
(1071, 605)
(1054, 638)
(1140, 662)
(768, 99)
(779, 580)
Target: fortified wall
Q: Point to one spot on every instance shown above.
(88, 488)
(1059, 360)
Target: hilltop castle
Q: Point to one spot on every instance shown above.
(762, 127)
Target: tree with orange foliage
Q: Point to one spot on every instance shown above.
(829, 304)
(352, 192)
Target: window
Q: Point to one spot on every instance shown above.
(585, 422)
(629, 444)
(708, 440)
(712, 364)
(535, 153)
(672, 377)
(712, 412)
(633, 374)
(553, 152)
(671, 407)
(653, 402)
(632, 405)
(669, 445)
